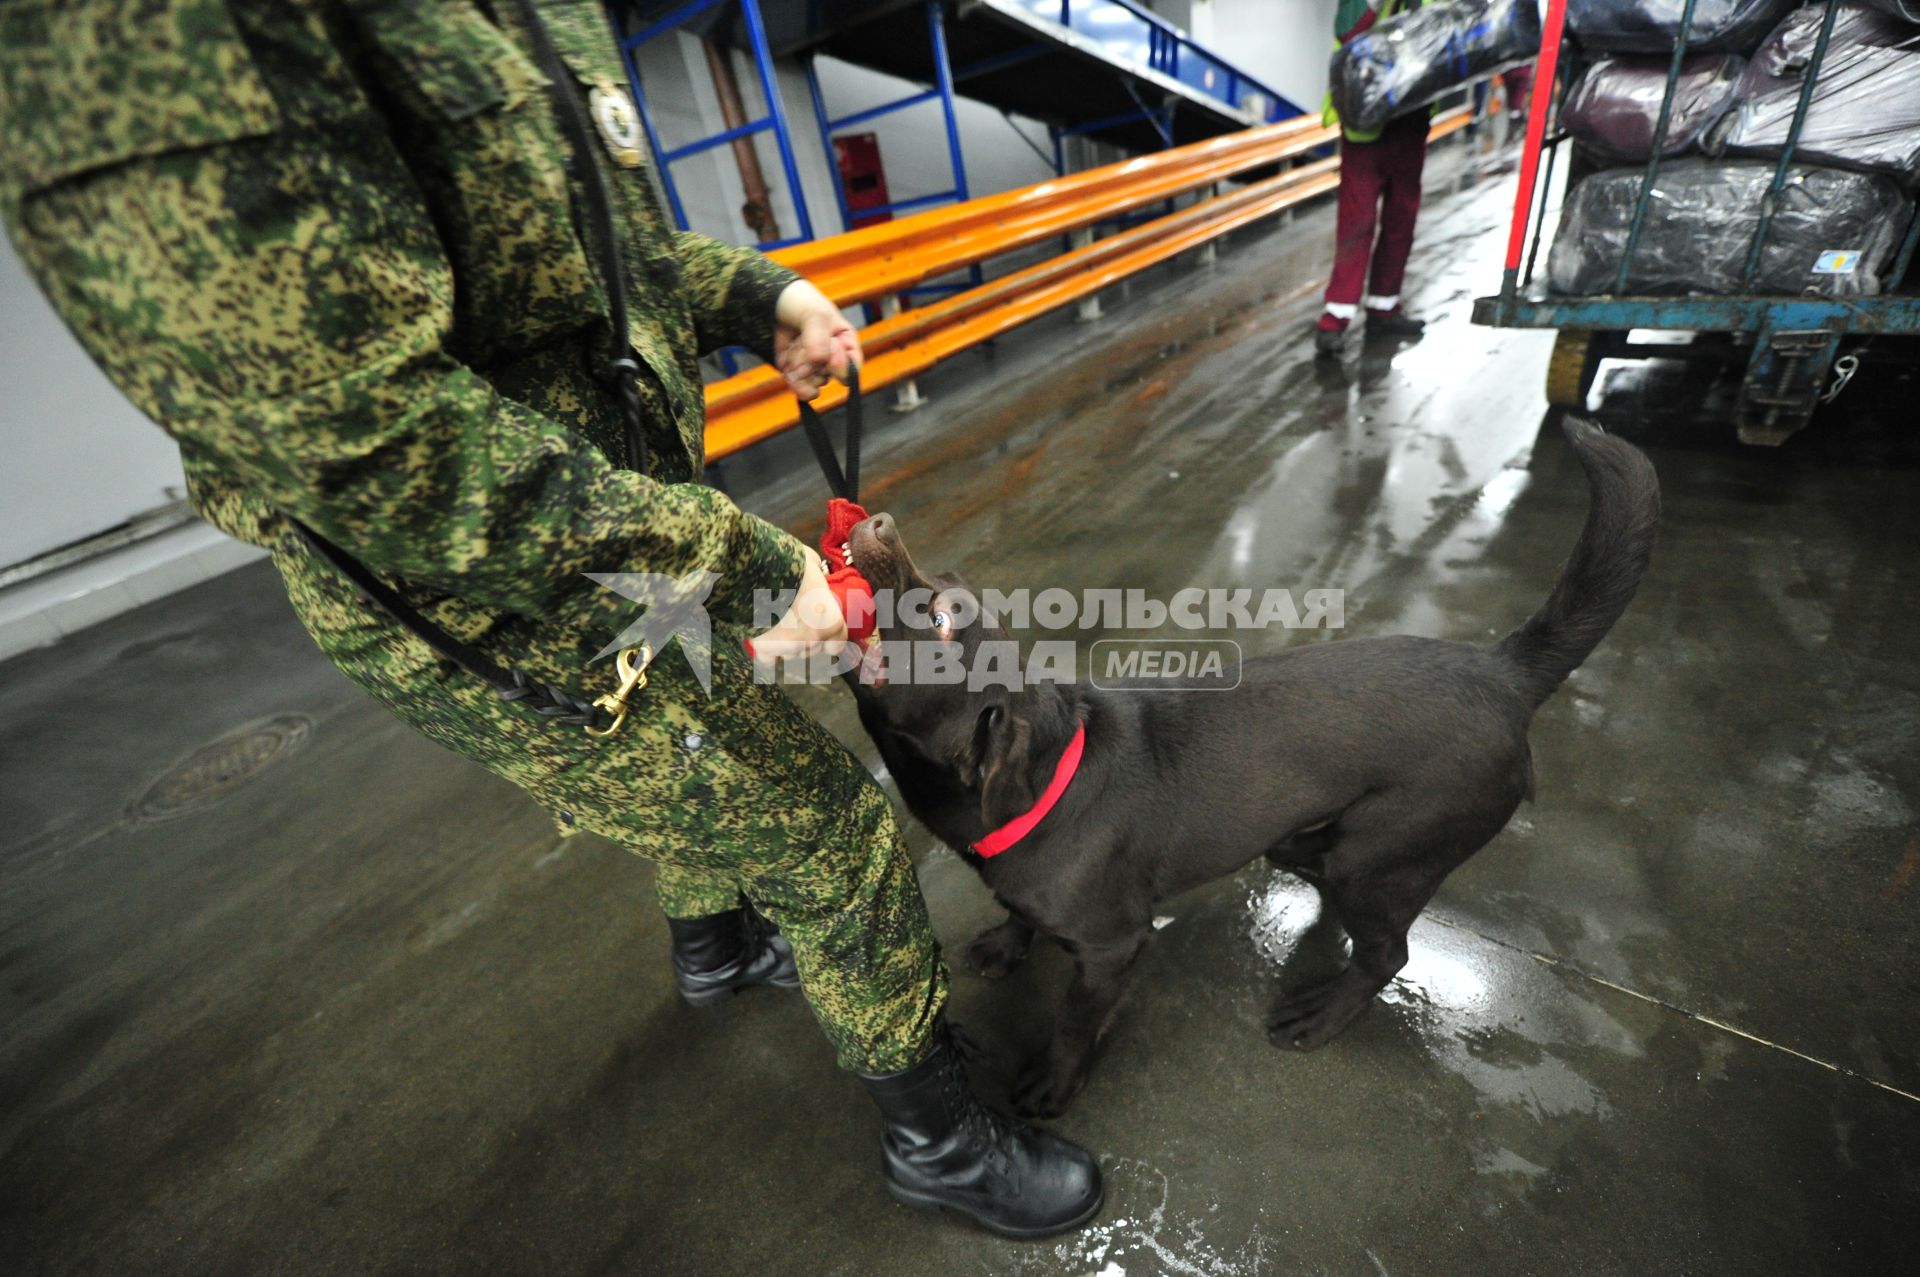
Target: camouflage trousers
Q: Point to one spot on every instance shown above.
(734, 795)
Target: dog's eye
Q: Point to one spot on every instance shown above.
(941, 621)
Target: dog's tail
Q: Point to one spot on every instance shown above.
(1600, 576)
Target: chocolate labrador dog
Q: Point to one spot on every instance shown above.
(1372, 766)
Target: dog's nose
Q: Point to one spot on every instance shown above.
(881, 525)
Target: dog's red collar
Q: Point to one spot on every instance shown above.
(1022, 825)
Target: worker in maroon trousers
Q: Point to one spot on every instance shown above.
(1379, 189)
(1518, 80)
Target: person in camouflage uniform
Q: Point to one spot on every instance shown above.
(334, 249)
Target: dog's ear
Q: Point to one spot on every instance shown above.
(1001, 749)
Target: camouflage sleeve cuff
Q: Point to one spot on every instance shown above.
(762, 558)
(750, 303)
(733, 291)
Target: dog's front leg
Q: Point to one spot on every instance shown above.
(1049, 1084)
(998, 950)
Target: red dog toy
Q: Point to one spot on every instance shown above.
(849, 587)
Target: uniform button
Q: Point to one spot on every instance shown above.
(695, 740)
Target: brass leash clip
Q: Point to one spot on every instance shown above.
(633, 662)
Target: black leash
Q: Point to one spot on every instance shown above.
(845, 483)
(510, 686)
(603, 715)
(623, 371)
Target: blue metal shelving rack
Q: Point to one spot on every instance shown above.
(941, 92)
(774, 121)
(1105, 69)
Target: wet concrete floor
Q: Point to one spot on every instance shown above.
(340, 1002)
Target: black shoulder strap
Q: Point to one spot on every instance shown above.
(596, 208)
(509, 685)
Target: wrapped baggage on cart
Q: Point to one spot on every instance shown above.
(1864, 111)
(1653, 26)
(1794, 234)
(1613, 109)
(1833, 234)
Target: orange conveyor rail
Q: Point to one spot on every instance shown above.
(888, 257)
(883, 259)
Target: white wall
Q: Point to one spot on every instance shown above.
(1283, 42)
(79, 458)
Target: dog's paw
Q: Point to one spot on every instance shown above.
(1313, 1017)
(1040, 1095)
(995, 953)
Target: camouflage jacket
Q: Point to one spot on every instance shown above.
(329, 246)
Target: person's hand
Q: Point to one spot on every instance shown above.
(812, 340)
(813, 626)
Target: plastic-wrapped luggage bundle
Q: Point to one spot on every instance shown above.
(1652, 26)
(1833, 234)
(1788, 48)
(1908, 9)
(1409, 61)
(1615, 108)
(1865, 109)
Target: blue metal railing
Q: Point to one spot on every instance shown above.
(1130, 35)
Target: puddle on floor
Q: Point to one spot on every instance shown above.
(1147, 1229)
(1474, 1006)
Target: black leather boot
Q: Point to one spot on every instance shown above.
(717, 956)
(943, 1148)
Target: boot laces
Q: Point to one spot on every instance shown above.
(987, 1131)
